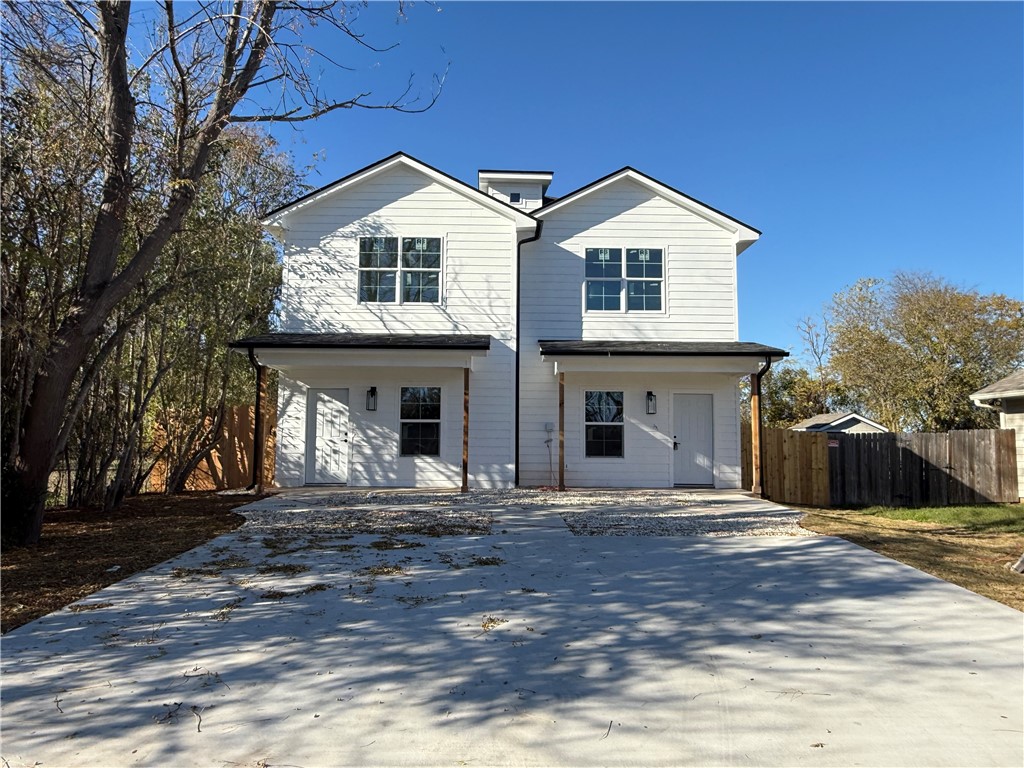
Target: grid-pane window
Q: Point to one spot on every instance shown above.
(405, 270)
(603, 423)
(603, 295)
(639, 277)
(604, 283)
(378, 265)
(420, 418)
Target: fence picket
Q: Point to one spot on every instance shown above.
(936, 469)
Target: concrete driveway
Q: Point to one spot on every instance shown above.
(304, 644)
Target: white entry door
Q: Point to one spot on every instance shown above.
(327, 436)
(693, 440)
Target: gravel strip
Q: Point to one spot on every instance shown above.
(590, 512)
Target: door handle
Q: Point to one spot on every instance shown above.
(675, 445)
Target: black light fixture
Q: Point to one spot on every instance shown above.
(652, 402)
(371, 399)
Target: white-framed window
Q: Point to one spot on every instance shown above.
(404, 270)
(603, 423)
(624, 279)
(420, 418)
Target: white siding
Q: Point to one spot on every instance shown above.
(530, 193)
(320, 294)
(700, 274)
(321, 277)
(374, 458)
(700, 306)
(648, 455)
(1013, 418)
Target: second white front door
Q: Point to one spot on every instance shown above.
(693, 440)
(327, 436)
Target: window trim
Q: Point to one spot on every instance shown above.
(401, 269)
(624, 280)
(620, 424)
(439, 421)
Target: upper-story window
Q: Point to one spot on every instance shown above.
(634, 283)
(406, 270)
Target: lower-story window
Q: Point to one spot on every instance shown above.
(421, 421)
(603, 423)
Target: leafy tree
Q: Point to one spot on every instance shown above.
(139, 108)
(914, 347)
(790, 393)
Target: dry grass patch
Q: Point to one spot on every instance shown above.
(79, 548)
(971, 557)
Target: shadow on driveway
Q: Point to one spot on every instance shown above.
(525, 646)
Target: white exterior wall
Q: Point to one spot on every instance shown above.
(647, 452)
(320, 294)
(374, 458)
(1012, 417)
(321, 260)
(531, 196)
(700, 270)
(700, 305)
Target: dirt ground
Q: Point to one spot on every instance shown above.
(975, 561)
(84, 550)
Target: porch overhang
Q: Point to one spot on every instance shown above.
(291, 351)
(736, 357)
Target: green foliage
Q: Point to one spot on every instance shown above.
(790, 393)
(913, 348)
(986, 518)
(162, 375)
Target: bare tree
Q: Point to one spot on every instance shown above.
(194, 72)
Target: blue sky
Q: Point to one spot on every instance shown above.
(860, 138)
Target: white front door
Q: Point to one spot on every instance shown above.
(693, 440)
(327, 436)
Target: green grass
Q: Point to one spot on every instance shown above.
(984, 518)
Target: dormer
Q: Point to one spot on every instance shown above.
(522, 189)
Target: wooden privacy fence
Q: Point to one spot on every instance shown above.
(229, 465)
(901, 470)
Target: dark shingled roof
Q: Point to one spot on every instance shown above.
(362, 341)
(661, 348)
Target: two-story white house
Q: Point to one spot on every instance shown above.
(439, 334)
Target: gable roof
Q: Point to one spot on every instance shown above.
(1010, 386)
(746, 234)
(823, 421)
(276, 218)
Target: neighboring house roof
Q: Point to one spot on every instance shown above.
(362, 341)
(824, 421)
(661, 348)
(1011, 386)
(746, 234)
(276, 218)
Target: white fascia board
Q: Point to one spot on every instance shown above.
(642, 365)
(984, 400)
(869, 422)
(543, 178)
(290, 359)
(277, 223)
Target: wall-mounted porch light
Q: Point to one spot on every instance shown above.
(371, 399)
(652, 402)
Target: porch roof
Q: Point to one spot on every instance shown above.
(612, 348)
(363, 341)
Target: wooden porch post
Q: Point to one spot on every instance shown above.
(258, 438)
(561, 431)
(465, 430)
(755, 434)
